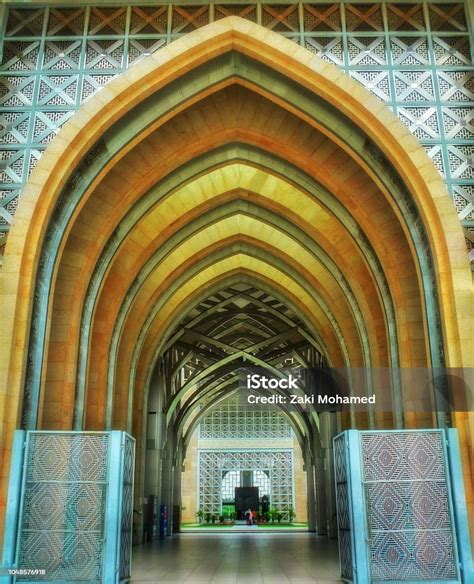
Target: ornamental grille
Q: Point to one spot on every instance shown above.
(343, 507)
(261, 479)
(70, 506)
(127, 510)
(230, 481)
(401, 510)
(62, 528)
(416, 57)
(408, 509)
(233, 478)
(235, 419)
(213, 463)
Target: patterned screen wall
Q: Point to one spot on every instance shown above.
(343, 507)
(236, 419)
(408, 507)
(70, 507)
(230, 480)
(401, 507)
(212, 463)
(261, 479)
(64, 506)
(414, 56)
(127, 509)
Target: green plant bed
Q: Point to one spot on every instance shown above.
(282, 524)
(208, 525)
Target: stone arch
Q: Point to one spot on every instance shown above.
(27, 263)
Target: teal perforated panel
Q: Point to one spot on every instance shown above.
(69, 516)
(402, 515)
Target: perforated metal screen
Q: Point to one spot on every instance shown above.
(69, 513)
(409, 513)
(401, 510)
(65, 490)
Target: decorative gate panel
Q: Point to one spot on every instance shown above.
(212, 463)
(343, 507)
(126, 524)
(403, 490)
(69, 513)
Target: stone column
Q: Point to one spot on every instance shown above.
(310, 492)
(328, 424)
(178, 473)
(167, 479)
(320, 472)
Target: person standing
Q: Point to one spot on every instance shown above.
(248, 516)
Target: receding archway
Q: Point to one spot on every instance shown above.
(164, 149)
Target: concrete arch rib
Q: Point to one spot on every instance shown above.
(366, 251)
(225, 257)
(289, 270)
(235, 26)
(446, 287)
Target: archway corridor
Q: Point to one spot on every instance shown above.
(231, 201)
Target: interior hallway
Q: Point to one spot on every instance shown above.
(228, 558)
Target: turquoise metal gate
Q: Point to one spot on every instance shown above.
(69, 508)
(401, 509)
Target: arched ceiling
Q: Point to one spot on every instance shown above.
(157, 240)
(237, 330)
(228, 159)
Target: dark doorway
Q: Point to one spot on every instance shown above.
(245, 498)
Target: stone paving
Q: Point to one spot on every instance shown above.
(237, 558)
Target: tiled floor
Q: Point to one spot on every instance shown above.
(237, 558)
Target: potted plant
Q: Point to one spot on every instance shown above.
(199, 515)
(291, 514)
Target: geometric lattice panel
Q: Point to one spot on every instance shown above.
(234, 419)
(415, 56)
(70, 502)
(71, 458)
(343, 507)
(277, 463)
(402, 457)
(233, 478)
(402, 516)
(413, 557)
(62, 528)
(64, 556)
(408, 509)
(50, 506)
